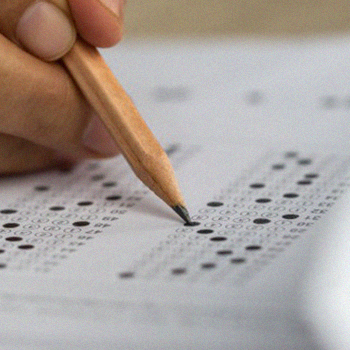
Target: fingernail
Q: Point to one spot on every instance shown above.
(116, 6)
(45, 31)
(97, 138)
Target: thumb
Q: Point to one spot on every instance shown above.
(47, 28)
(41, 27)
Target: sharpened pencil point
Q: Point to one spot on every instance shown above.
(183, 213)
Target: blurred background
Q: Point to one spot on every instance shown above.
(236, 17)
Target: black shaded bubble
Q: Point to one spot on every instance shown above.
(81, 223)
(26, 246)
(290, 195)
(224, 252)
(178, 271)
(113, 198)
(254, 97)
(215, 204)
(257, 185)
(177, 93)
(14, 239)
(311, 176)
(237, 260)
(261, 221)
(291, 154)
(290, 216)
(263, 200)
(8, 211)
(172, 149)
(329, 102)
(127, 275)
(97, 177)
(305, 161)
(253, 247)
(208, 265)
(304, 182)
(41, 188)
(85, 203)
(192, 223)
(218, 239)
(2, 266)
(2, 251)
(93, 166)
(109, 184)
(57, 208)
(10, 225)
(278, 166)
(205, 231)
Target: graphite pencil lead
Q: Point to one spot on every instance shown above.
(183, 213)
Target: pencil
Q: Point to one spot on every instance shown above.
(121, 118)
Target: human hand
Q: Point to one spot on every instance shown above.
(44, 119)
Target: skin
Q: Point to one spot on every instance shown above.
(43, 115)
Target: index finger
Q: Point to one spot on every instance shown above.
(99, 22)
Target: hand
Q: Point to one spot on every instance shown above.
(44, 119)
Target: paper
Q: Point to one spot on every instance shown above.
(258, 133)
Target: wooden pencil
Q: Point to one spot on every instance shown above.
(121, 118)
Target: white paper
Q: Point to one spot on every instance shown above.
(258, 133)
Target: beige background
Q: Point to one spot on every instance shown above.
(231, 17)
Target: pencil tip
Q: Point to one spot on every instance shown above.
(183, 213)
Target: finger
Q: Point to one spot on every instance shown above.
(46, 28)
(41, 27)
(99, 22)
(40, 103)
(19, 155)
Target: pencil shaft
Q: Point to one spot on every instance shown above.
(118, 113)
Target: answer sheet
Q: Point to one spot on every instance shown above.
(258, 134)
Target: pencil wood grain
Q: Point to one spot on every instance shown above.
(121, 118)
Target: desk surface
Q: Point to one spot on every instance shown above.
(236, 17)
